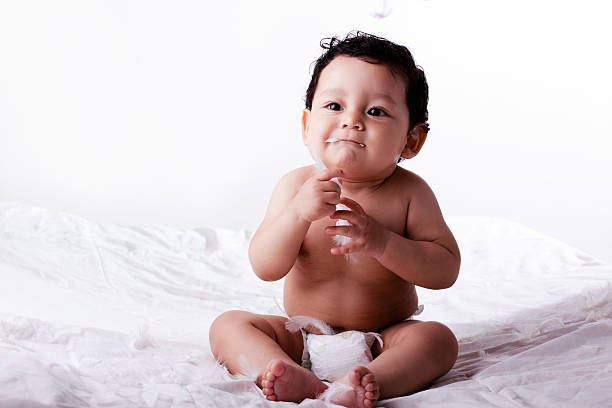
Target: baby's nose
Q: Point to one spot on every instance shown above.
(356, 126)
(351, 121)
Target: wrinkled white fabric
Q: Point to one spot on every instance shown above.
(115, 316)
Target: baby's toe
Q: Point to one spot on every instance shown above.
(369, 403)
(276, 369)
(357, 375)
(368, 379)
(369, 384)
(372, 395)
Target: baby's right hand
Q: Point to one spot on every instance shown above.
(318, 196)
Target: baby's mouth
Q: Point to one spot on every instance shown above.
(336, 140)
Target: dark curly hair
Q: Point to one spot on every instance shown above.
(377, 50)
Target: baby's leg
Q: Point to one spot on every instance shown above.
(414, 354)
(269, 350)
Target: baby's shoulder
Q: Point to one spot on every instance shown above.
(409, 182)
(291, 182)
(297, 177)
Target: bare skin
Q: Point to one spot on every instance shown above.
(278, 382)
(398, 240)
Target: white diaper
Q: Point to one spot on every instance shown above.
(331, 355)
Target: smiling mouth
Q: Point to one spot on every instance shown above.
(336, 140)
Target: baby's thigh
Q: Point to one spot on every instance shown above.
(429, 337)
(240, 326)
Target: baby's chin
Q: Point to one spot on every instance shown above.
(359, 172)
(345, 160)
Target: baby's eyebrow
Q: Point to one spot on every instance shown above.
(339, 92)
(333, 92)
(386, 98)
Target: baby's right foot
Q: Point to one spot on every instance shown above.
(285, 382)
(364, 392)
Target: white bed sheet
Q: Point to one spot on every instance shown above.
(101, 315)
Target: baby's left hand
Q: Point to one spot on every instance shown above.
(367, 235)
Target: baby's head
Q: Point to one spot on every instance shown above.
(377, 50)
(366, 86)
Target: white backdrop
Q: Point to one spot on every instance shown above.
(186, 113)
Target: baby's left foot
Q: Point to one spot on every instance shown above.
(364, 393)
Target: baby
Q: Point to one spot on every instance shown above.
(366, 109)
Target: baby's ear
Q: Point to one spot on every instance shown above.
(415, 140)
(305, 123)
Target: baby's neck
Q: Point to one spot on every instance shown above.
(364, 186)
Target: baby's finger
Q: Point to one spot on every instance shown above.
(330, 186)
(344, 230)
(342, 250)
(328, 209)
(348, 215)
(328, 174)
(353, 205)
(331, 198)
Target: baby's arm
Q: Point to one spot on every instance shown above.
(299, 198)
(427, 256)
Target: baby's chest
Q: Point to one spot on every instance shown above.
(392, 214)
(388, 210)
(317, 243)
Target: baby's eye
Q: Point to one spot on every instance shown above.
(377, 112)
(334, 106)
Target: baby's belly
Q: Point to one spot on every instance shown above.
(350, 305)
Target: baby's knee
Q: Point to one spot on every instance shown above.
(228, 321)
(444, 342)
(225, 325)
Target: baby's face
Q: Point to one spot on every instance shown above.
(359, 119)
